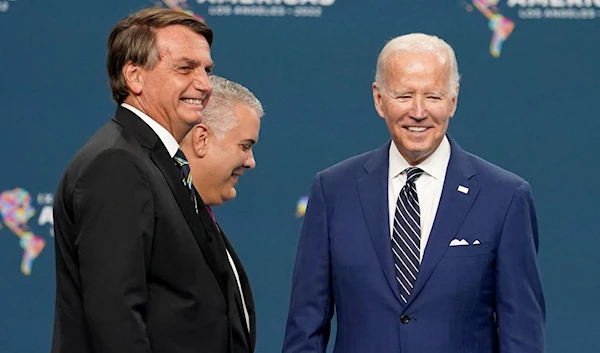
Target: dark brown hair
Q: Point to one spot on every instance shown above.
(134, 39)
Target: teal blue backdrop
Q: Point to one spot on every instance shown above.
(531, 107)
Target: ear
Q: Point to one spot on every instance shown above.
(454, 101)
(200, 133)
(133, 77)
(377, 99)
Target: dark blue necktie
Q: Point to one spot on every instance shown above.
(406, 237)
(186, 175)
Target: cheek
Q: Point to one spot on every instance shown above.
(238, 158)
(395, 123)
(396, 112)
(174, 88)
(225, 172)
(441, 117)
(228, 167)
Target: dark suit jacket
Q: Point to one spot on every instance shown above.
(137, 269)
(482, 298)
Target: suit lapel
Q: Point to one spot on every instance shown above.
(373, 194)
(160, 156)
(452, 210)
(202, 234)
(247, 291)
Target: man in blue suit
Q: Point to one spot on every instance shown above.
(419, 246)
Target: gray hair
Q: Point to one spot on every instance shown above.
(419, 43)
(218, 114)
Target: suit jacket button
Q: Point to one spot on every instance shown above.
(404, 319)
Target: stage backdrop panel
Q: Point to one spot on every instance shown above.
(528, 102)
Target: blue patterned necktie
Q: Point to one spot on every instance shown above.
(186, 175)
(406, 237)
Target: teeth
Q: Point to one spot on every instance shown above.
(416, 129)
(193, 101)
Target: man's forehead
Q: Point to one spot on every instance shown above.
(177, 31)
(247, 126)
(172, 38)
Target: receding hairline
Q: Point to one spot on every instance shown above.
(164, 40)
(419, 43)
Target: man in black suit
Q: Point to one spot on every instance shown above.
(219, 150)
(140, 267)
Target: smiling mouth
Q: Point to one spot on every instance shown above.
(416, 128)
(197, 102)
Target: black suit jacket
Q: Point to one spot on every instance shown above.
(137, 269)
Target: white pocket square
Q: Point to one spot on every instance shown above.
(476, 242)
(456, 242)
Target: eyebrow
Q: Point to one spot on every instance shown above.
(250, 141)
(401, 92)
(194, 63)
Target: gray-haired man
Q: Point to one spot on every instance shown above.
(218, 151)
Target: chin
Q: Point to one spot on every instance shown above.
(420, 147)
(192, 118)
(230, 196)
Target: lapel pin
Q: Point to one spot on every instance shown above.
(463, 189)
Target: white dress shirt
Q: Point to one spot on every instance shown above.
(429, 186)
(172, 146)
(165, 136)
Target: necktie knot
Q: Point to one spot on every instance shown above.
(182, 162)
(413, 173)
(180, 158)
(186, 175)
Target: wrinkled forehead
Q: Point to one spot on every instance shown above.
(410, 62)
(180, 40)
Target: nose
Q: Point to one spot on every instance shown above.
(202, 83)
(418, 110)
(250, 162)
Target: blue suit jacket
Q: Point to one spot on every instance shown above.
(477, 298)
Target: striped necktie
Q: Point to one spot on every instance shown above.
(406, 237)
(186, 175)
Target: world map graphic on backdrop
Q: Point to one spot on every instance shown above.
(556, 9)
(301, 206)
(502, 26)
(17, 210)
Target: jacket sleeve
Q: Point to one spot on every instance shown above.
(311, 305)
(520, 305)
(114, 212)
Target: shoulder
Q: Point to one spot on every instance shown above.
(357, 166)
(490, 173)
(483, 172)
(500, 185)
(348, 165)
(111, 150)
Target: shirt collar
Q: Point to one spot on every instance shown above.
(435, 165)
(165, 136)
